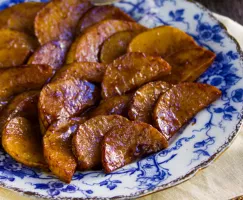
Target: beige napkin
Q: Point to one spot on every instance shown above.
(222, 180)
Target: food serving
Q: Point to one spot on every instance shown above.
(93, 89)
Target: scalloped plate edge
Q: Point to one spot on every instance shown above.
(181, 179)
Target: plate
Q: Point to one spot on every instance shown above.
(203, 139)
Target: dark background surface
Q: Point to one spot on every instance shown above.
(229, 8)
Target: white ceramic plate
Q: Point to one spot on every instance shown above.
(208, 134)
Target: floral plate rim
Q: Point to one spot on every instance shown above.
(183, 178)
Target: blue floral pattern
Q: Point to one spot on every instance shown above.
(55, 188)
(208, 134)
(207, 32)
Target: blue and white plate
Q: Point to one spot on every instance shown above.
(205, 138)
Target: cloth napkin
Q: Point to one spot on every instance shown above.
(222, 180)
